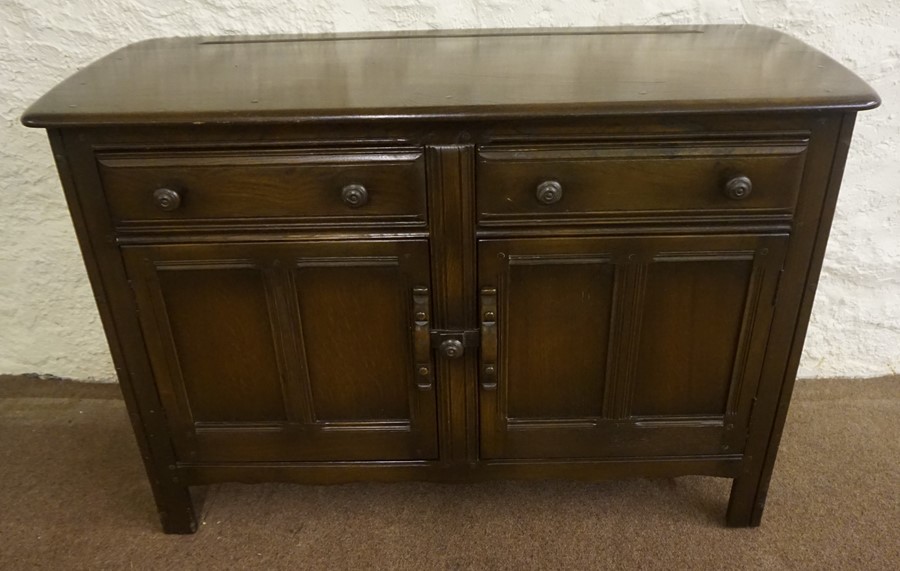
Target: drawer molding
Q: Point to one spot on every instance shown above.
(639, 182)
(240, 187)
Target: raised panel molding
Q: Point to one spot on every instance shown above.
(397, 422)
(155, 272)
(626, 328)
(543, 334)
(358, 289)
(741, 271)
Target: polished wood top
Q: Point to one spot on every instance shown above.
(462, 74)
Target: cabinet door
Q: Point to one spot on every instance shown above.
(306, 351)
(603, 347)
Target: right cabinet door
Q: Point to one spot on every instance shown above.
(622, 346)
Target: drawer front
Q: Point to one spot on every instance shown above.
(326, 187)
(577, 182)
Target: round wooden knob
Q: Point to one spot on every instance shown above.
(354, 195)
(549, 192)
(167, 199)
(452, 348)
(739, 187)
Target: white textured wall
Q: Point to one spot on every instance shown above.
(48, 322)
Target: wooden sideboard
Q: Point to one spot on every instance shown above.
(456, 256)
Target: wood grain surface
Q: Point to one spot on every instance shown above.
(627, 267)
(440, 74)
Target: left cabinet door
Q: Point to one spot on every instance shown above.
(303, 351)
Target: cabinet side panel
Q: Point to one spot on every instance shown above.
(822, 182)
(115, 302)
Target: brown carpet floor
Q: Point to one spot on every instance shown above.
(73, 495)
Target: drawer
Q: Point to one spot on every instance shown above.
(324, 187)
(577, 182)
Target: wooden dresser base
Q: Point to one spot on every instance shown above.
(586, 254)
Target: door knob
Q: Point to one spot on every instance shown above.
(452, 348)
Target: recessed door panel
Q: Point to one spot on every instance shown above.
(622, 346)
(290, 352)
(557, 327)
(355, 322)
(227, 360)
(690, 332)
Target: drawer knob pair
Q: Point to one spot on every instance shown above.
(737, 188)
(167, 200)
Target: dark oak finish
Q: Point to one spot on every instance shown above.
(296, 351)
(188, 187)
(626, 346)
(631, 177)
(540, 72)
(456, 256)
